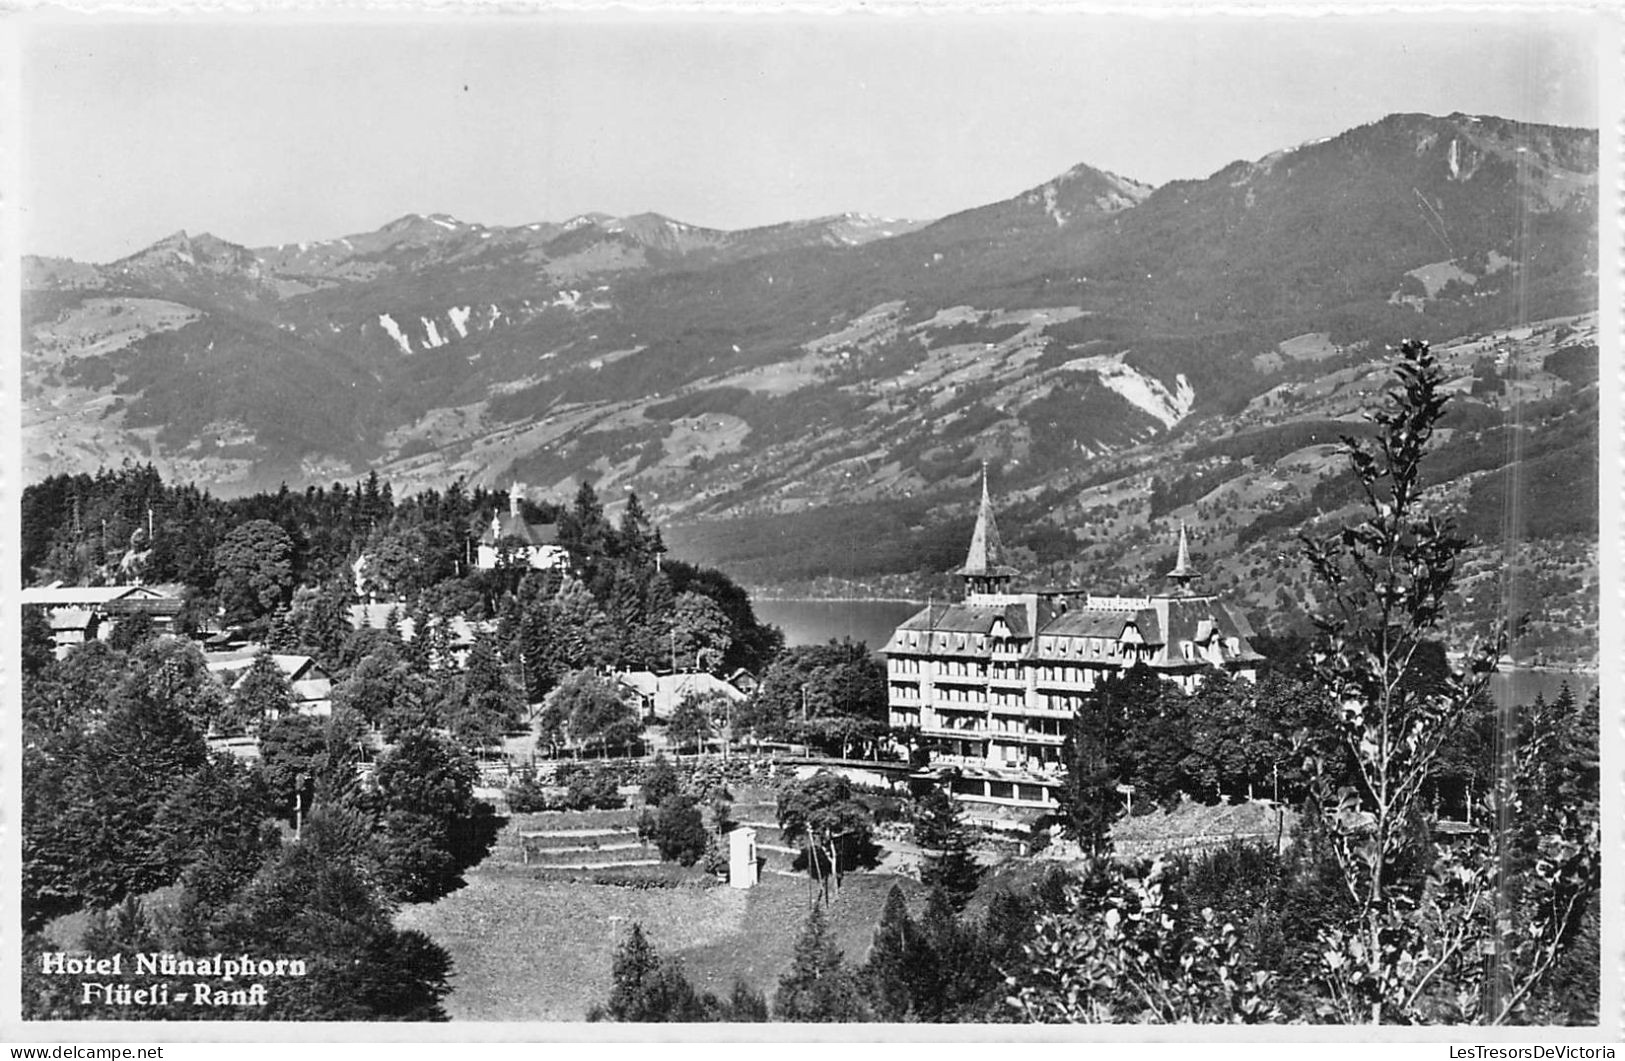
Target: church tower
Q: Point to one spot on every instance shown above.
(1183, 573)
(985, 570)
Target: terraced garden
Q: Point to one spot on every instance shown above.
(533, 940)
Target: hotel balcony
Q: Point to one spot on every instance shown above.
(1067, 685)
(1063, 714)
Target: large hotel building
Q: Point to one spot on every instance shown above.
(991, 681)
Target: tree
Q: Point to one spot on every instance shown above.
(818, 988)
(131, 630)
(833, 694)
(573, 632)
(680, 830)
(1093, 751)
(1423, 915)
(394, 568)
(592, 789)
(1156, 737)
(39, 645)
(659, 781)
(639, 539)
(649, 990)
(314, 901)
(216, 824)
(372, 687)
(592, 713)
(292, 750)
(174, 671)
(320, 621)
(701, 632)
(949, 978)
(109, 835)
(432, 827)
(694, 720)
(1230, 751)
(487, 703)
(263, 694)
(887, 977)
(833, 826)
(254, 570)
(1114, 952)
(945, 843)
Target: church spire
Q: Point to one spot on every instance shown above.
(985, 570)
(1183, 572)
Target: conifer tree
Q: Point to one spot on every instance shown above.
(888, 976)
(39, 646)
(263, 695)
(818, 988)
(645, 989)
(948, 977)
(945, 843)
(487, 705)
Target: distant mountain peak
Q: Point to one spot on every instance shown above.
(584, 220)
(1085, 189)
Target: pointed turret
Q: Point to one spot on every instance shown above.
(1183, 573)
(985, 570)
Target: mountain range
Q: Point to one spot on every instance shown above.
(1074, 336)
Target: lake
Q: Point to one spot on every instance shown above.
(813, 622)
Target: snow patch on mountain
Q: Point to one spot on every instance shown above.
(1051, 207)
(434, 340)
(459, 319)
(1146, 393)
(394, 330)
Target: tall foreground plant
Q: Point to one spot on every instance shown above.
(1417, 949)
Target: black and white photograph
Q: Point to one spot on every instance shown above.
(885, 518)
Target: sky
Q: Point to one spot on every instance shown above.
(275, 131)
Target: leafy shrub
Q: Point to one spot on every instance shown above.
(659, 782)
(679, 830)
(529, 795)
(593, 789)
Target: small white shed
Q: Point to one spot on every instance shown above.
(742, 864)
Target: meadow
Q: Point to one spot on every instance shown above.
(529, 945)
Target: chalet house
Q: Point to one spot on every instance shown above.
(508, 535)
(744, 681)
(657, 695)
(991, 682)
(89, 613)
(312, 686)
